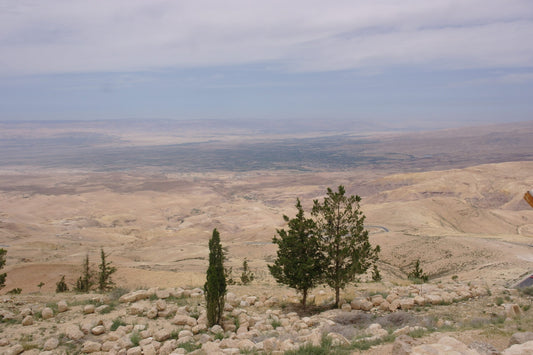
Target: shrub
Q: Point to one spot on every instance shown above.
(61, 285)
(135, 338)
(417, 275)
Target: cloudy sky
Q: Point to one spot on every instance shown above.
(392, 61)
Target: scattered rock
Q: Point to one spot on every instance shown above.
(512, 310)
(62, 306)
(484, 348)
(28, 320)
(51, 344)
(520, 338)
(90, 347)
(98, 330)
(47, 313)
(402, 345)
(520, 349)
(73, 332)
(88, 309)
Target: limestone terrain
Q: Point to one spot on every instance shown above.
(452, 199)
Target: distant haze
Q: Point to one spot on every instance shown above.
(439, 63)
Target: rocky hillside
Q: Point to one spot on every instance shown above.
(413, 319)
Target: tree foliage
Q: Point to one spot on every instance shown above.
(104, 275)
(417, 274)
(299, 262)
(346, 248)
(61, 285)
(85, 281)
(3, 253)
(215, 286)
(247, 275)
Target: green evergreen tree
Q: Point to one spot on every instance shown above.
(299, 263)
(85, 281)
(104, 275)
(61, 285)
(376, 275)
(247, 276)
(3, 253)
(215, 286)
(417, 275)
(346, 248)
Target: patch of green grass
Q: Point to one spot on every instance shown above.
(117, 322)
(526, 307)
(418, 333)
(135, 338)
(324, 348)
(367, 344)
(498, 301)
(174, 334)
(275, 323)
(190, 346)
(219, 336)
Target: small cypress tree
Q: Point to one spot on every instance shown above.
(417, 274)
(247, 276)
(61, 285)
(106, 270)
(299, 263)
(85, 281)
(3, 253)
(376, 275)
(215, 286)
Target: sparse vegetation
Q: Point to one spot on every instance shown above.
(3, 253)
(135, 338)
(15, 291)
(417, 275)
(85, 281)
(117, 322)
(247, 276)
(376, 275)
(105, 282)
(61, 285)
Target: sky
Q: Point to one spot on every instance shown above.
(395, 62)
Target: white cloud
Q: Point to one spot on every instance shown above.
(61, 36)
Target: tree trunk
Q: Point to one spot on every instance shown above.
(337, 293)
(304, 298)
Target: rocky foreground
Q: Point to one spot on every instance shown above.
(413, 319)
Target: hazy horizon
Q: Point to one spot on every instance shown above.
(439, 64)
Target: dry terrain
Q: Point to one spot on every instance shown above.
(452, 199)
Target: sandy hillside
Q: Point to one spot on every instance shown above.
(468, 222)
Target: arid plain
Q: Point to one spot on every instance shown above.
(150, 195)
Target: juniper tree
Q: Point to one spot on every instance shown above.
(417, 275)
(85, 281)
(344, 239)
(247, 276)
(61, 285)
(3, 253)
(299, 263)
(215, 286)
(104, 275)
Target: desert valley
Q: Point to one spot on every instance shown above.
(150, 194)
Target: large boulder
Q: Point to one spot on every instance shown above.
(520, 338)
(520, 349)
